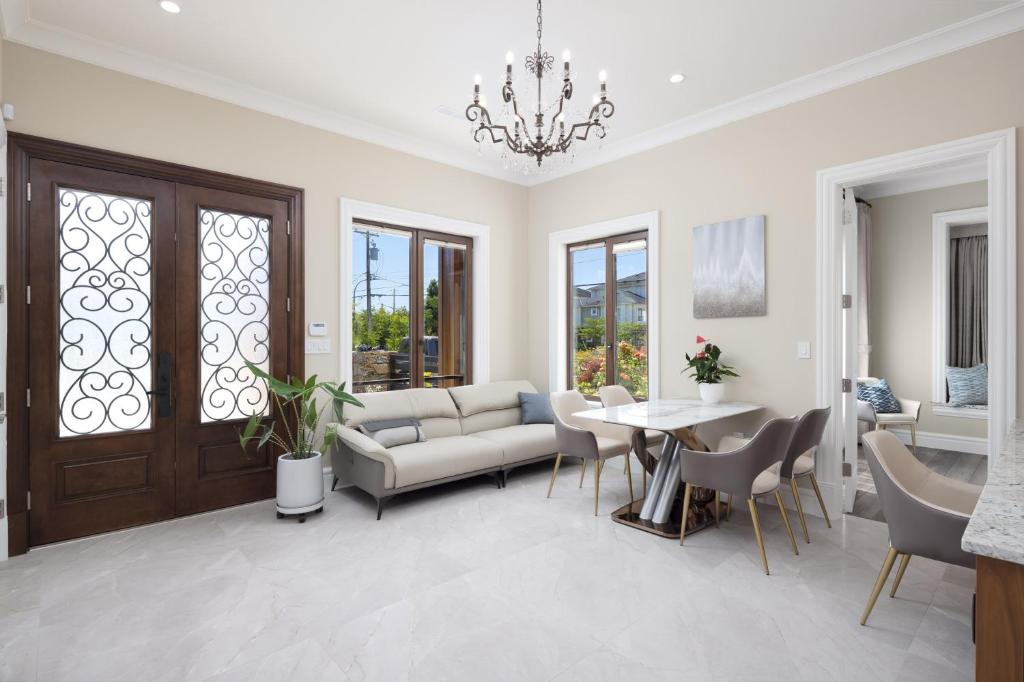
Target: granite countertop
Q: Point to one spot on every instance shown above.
(996, 528)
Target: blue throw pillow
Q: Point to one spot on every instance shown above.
(879, 395)
(536, 408)
(967, 385)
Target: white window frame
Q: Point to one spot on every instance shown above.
(558, 292)
(353, 211)
(941, 228)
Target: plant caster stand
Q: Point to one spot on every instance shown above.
(300, 512)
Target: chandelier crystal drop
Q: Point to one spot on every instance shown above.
(549, 132)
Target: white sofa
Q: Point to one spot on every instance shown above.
(470, 430)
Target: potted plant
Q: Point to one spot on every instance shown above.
(708, 371)
(300, 477)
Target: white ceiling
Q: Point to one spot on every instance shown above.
(380, 70)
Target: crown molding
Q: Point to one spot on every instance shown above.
(19, 27)
(977, 29)
(923, 180)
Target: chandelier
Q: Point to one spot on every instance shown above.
(545, 136)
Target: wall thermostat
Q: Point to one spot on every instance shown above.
(318, 329)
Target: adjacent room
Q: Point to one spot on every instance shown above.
(529, 341)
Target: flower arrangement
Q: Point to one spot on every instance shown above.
(706, 366)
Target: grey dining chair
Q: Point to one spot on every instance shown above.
(799, 462)
(616, 396)
(751, 470)
(590, 440)
(927, 513)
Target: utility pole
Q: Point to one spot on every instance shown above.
(369, 299)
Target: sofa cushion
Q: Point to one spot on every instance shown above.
(522, 441)
(439, 458)
(536, 408)
(432, 406)
(498, 395)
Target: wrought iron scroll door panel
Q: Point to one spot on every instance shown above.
(147, 299)
(232, 270)
(101, 250)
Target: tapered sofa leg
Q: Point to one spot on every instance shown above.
(380, 507)
(334, 484)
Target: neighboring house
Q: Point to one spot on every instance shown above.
(631, 305)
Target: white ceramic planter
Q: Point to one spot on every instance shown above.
(300, 485)
(711, 393)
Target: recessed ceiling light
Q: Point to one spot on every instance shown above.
(676, 78)
(169, 6)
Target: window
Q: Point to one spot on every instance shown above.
(608, 328)
(960, 298)
(411, 302)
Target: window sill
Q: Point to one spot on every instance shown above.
(944, 410)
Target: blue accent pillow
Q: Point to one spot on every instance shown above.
(967, 385)
(879, 395)
(536, 408)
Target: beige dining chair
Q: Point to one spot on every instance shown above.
(926, 512)
(799, 461)
(616, 396)
(586, 439)
(748, 468)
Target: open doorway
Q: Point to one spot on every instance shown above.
(922, 324)
(917, 309)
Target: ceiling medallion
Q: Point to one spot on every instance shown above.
(548, 133)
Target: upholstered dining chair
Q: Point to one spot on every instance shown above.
(799, 461)
(616, 396)
(588, 440)
(927, 513)
(910, 412)
(748, 468)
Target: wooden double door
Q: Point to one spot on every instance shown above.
(146, 298)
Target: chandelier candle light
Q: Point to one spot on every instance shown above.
(550, 136)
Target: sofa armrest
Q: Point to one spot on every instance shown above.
(361, 444)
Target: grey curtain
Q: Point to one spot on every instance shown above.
(968, 301)
(863, 288)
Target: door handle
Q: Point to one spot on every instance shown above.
(163, 385)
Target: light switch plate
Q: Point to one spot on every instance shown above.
(803, 350)
(318, 346)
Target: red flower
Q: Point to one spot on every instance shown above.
(702, 355)
(701, 339)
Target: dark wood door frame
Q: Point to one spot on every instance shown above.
(22, 149)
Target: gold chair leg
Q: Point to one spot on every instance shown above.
(718, 503)
(583, 471)
(904, 560)
(686, 511)
(554, 472)
(644, 469)
(883, 575)
(913, 437)
(728, 508)
(878, 426)
(597, 482)
(757, 533)
(785, 519)
(821, 500)
(629, 478)
(799, 508)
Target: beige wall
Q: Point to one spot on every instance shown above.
(69, 100)
(901, 296)
(767, 164)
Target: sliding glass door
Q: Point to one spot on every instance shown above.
(608, 314)
(411, 303)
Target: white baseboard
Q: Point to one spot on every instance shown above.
(942, 441)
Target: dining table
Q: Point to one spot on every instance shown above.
(660, 510)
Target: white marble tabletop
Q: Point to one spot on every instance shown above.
(667, 415)
(996, 528)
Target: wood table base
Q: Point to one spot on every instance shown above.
(999, 614)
